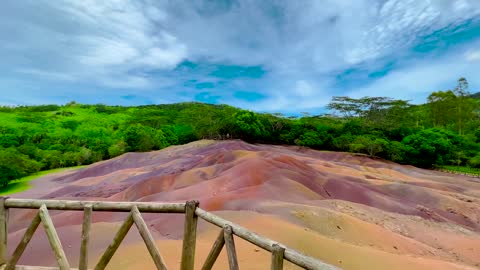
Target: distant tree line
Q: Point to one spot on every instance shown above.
(444, 131)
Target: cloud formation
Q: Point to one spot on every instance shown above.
(293, 55)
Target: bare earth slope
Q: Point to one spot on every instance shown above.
(350, 211)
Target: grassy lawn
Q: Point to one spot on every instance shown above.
(462, 169)
(22, 184)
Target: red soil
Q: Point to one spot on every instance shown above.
(351, 211)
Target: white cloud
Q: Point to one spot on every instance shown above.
(473, 55)
(418, 79)
(303, 88)
(101, 42)
(132, 44)
(50, 75)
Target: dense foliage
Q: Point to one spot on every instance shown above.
(444, 131)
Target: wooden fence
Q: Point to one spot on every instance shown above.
(190, 209)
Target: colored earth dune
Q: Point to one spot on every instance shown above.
(348, 210)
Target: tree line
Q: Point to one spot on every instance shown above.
(443, 131)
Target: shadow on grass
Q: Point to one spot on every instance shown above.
(14, 188)
(22, 184)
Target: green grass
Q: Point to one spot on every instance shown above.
(462, 169)
(22, 184)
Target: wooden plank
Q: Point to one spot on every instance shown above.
(290, 255)
(215, 251)
(3, 231)
(117, 240)
(189, 236)
(144, 207)
(277, 257)
(32, 267)
(148, 239)
(27, 236)
(53, 238)
(230, 245)
(87, 221)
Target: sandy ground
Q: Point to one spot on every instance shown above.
(350, 211)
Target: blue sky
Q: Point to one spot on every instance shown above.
(277, 56)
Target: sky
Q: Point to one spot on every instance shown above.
(269, 56)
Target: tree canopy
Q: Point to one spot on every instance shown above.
(443, 131)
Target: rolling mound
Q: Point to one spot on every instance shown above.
(351, 211)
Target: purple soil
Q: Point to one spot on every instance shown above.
(231, 175)
(225, 175)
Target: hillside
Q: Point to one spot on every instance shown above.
(348, 210)
(39, 138)
(476, 95)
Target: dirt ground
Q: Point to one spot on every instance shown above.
(350, 211)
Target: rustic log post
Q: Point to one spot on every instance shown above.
(117, 240)
(3, 230)
(190, 235)
(148, 239)
(87, 221)
(215, 251)
(230, 245)
(53, 239)
(277, 257)
(27, 236)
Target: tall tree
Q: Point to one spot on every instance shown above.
(377, 111)
(442, 107)
(464, 104)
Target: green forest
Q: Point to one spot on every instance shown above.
(445, 131)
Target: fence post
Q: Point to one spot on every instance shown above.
(87, 221)
(3, 231)
(277, 257)
(230, 245)
(190, 236)
(52, 237)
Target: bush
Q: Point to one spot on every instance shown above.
(310, 139)
(117, 149)
(395, 151)
(474, 161)
(427, 147)
(368, 145)
(141, 138)
(15, 165)
(248, 127)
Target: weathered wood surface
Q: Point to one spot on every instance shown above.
(117, 240)
(148, 239)
(143, 207)
(87, 221)
(3, 230)
(27, 236)
(230, 246)
(290, 255)
(31, 267)
(277, 257)
(188, 250)
(189, 236)
(53, 239)
(215, 251)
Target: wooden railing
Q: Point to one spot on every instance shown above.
(135, 209)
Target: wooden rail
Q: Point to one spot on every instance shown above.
(190, 209)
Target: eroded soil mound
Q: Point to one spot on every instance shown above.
(350, 211)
